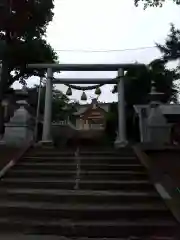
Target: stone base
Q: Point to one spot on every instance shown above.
(17, 135)
(120, 144)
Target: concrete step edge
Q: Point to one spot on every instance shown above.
(79, 192)
(123, 223)
(120, 172)
(81, 164)
(20, 180)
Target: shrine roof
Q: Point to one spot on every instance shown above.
(83, 108)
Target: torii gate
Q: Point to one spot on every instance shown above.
(51, 68)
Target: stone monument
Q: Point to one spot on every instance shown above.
(19, 130)
(158, 128)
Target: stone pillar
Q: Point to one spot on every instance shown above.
(47, 138)
(37, 110)
(5, 105)
(143, 113)
(121, 140)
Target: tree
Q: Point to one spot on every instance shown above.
(171, 49)
(154, 3)
(137, 88)
(61, 106)
(22, 40)
(22, 31)
(138, 83)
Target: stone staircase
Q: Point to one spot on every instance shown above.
(98, 194)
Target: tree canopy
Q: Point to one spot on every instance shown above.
(22, 37)
(62, 109)
(138, 83)
(137, 86)
(171, 49)
(23, 26)
(154, 3)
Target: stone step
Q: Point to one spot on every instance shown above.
(45, 150)
(52, 237)
(91, 229)
(37, 183)
(108, 153)
(87, 159)
(29, 165)
(113, 175)
(111, 167)
(50, 154)
(58, 174)
(73, 166)
(81, 153)
(109, 160)
(44, 183)
(75, 211)
(111, 198)
(84, 175)
(80, 196)
(105, 149)
(49, 160)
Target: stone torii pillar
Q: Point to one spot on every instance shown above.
(47, 137)
(121, 140)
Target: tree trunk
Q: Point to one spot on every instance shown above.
(1, 122)
(3, 80)
(4, 73)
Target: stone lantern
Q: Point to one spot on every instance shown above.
(158, 128)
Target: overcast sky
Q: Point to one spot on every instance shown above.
(100, 25)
